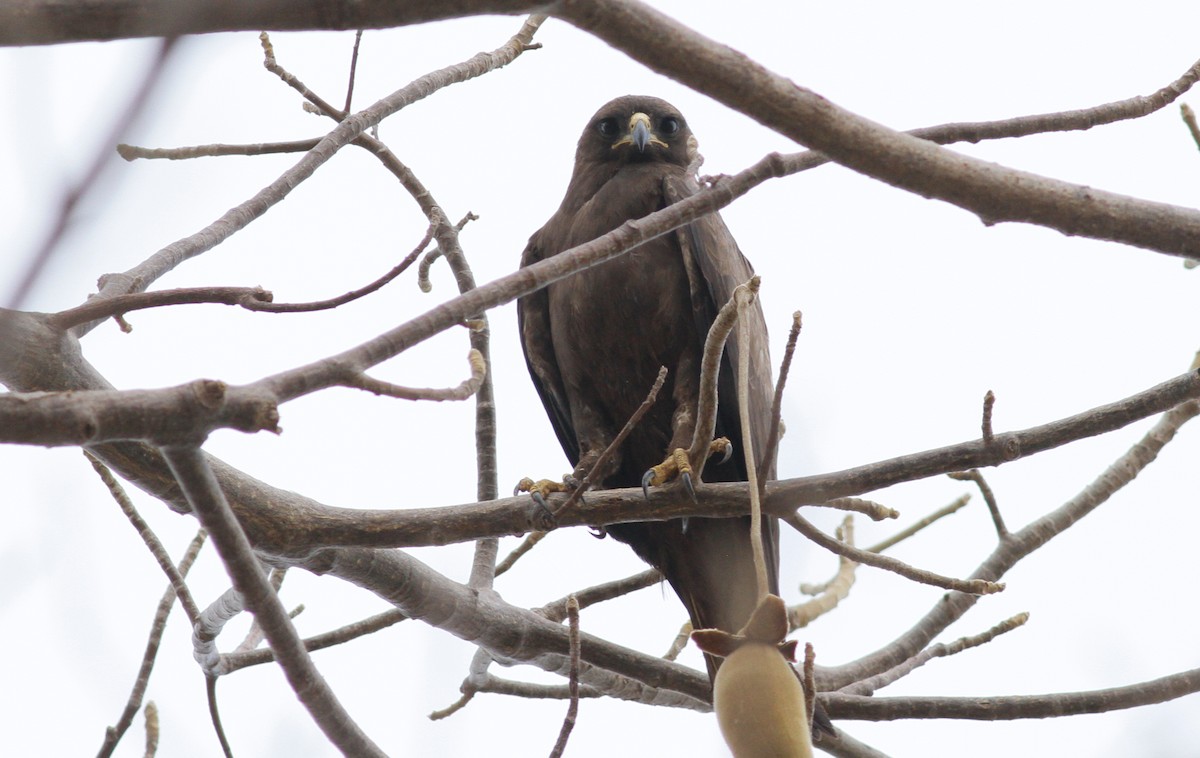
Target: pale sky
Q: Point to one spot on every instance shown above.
(912, 310)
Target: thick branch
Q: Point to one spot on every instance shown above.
(208, 502)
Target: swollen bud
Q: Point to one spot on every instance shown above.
(760, 704)
(757, 696)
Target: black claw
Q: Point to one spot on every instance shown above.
(728, 453)
(686, 476)
(646, 477)
(598, 532)
(543, 516)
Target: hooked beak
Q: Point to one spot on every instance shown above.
(640, 134)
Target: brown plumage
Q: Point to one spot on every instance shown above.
(594, 343)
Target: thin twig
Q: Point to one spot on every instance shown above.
(832, 592)
(1007, 707)
(113, 734)
(1189, 118)
(152, 730)
(144, 274)
(148, 536)
(679, 643)
(572, 608)
(907, 532)
(989, 497)
(601, 592)
(358, 35)
(710, 369)
(785, 366)
(1009, 552)
(940, 650)
(810, 685)
(526, 545)
(989, 401)
(589, 479)
(743, 296)
(232, 662)
(134, 152)
(199, 485)
(454, 707)
(464, 391)
(969, 586)
(869, 508)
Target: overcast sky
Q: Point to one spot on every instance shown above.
(912, 310)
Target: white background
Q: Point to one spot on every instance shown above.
(912, 310)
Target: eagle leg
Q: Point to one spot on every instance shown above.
(677, 466)
(541, 489)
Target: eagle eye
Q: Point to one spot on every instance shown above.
(669, 125)
(607, 127)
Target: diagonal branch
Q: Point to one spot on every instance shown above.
(208, 502)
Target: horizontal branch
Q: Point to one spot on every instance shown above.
(1009, 707)
(184, 413)
(46, 22)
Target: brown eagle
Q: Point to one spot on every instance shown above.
(594, 343)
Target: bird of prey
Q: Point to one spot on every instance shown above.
(594, 343)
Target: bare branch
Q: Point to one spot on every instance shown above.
(710, 364)
(971, 586)
(554, 610)
(174, 575)
(204, 494)
(113, 734)
(231, 662)
(875, 683)
(869, 508)
(994, 193)
(1002, 708)
(832, 592)
(572, 610)
(144, 274)
(989, 497)
(589, 479)
(1189, 118)
(152, 731)
(96, 309)
(768, 455)
(909, 531)
(989, 401)
(133, 152)
(187, 412)
(465, 390)
(1017, 546)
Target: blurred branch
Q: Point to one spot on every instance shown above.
(100, 161)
